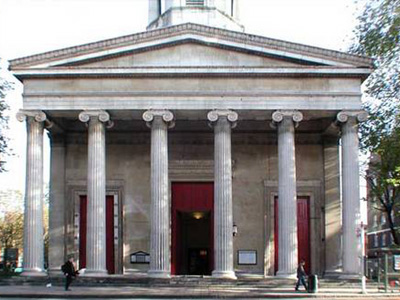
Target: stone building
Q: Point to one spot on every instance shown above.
(194, 148)
(379, 236)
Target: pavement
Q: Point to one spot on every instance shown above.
(201, 292)
(184, 287)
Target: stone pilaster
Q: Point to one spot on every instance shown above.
(223, 121)
(333, 211)
(287, 193)
(352, 249)
(57, 203)
(33, 260)
(159, 121)
(96, 192)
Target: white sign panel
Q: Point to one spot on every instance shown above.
(396, 262)
(247, 257)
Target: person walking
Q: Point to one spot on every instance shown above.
(69, 271)
(301, 275)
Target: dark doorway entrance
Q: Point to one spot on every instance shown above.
(192, 228)
(110, 259)
(303, 232)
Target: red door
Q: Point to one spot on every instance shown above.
(190, 198)
(303, 232)
(109, 233)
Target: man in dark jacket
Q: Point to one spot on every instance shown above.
(301, 275)
(69, 272)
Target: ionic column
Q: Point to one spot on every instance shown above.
(223, 121)
(96, 192)
(352, 249)
(159, 121)
(33, 263)
(287, 194)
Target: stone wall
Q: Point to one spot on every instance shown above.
(255, 173)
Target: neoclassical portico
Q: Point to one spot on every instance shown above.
(111, 194)
(222, 121)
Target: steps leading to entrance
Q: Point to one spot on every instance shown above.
(177, 281)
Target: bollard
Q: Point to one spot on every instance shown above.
(385, 274)
(379, 271)
(313, 284)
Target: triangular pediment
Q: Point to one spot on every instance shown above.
(187, 54)
(191, 45)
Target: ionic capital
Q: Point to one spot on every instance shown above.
(101, 115)
(230, 115)
(166, 115)
(279, 115)
(37, 115)
(359, 115)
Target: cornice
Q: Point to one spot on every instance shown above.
(204, 71)
(190, 93)
(189, 28)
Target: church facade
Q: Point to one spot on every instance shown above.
(194, 149)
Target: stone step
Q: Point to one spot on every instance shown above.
(177, 281)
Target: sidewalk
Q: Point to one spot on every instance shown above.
(25, 291)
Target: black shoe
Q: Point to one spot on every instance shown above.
(296, 289)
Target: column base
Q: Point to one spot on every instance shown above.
(333, 273)
(55, 272)
(36, 272)
(95, 273)
(159, 274)
(347, 276)
(224, 274)
(286, 275)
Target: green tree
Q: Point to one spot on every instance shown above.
(5, 86)
(383, 179)
(11, 219)
(11, 232)
(11, 229)
(378, 35)
(46, 235)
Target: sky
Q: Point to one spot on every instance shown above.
(33, 26)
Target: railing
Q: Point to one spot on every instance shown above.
(382, 271)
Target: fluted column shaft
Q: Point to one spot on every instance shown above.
(287, 193)
(223, 219)
(160, 266)
(33, 257)
(352, 248)
(96, 192)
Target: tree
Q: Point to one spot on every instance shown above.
(383, 179)
(12, 229)
(11, 233)
(5, 86)
(11, 220)
(46, 235)
(378, 35)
